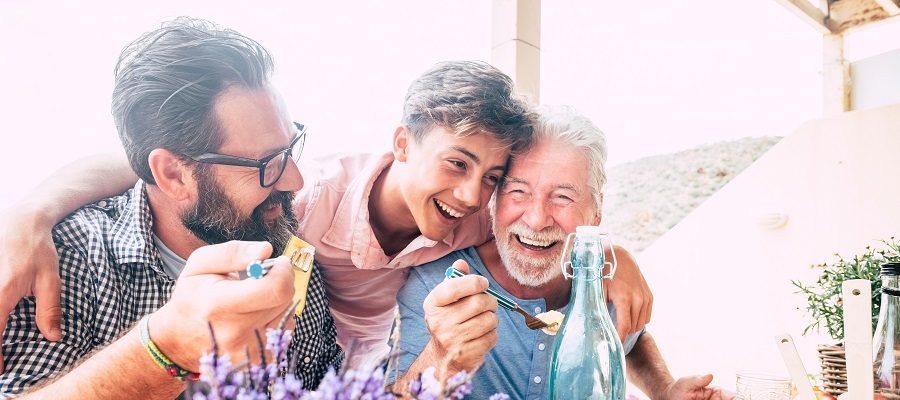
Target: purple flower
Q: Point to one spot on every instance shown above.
(415, 387)
(428, 387)
(221, 380)
(289, 388)
(328, 388)
(277, 342)
(459, 385)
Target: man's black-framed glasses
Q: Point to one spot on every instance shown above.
(271, 167)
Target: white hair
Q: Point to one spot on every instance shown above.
(565, 124)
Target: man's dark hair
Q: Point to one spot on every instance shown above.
(167, 82)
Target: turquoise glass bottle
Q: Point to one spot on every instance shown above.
(588, 360)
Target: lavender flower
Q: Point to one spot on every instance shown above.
(275, 379)
(277, 341)
(427, 386)
(291, 388)
(415, 387)
(459, 385)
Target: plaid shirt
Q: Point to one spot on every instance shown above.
(112, 275)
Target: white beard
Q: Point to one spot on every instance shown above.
(528, 270)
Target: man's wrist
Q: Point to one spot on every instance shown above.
(429, 356)
(159, 358)
(136, 376)
(169, 344)
(667, 387)
(443, 360)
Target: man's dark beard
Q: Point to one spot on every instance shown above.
(214, 218)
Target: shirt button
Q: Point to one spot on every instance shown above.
(307, 360)
(541, 346)
(537, 310)
(537, 379)
(101, 203)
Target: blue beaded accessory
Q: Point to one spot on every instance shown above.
(259, 268)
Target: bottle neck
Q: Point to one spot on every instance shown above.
(890, 282)
(587, 273)
(587, 287)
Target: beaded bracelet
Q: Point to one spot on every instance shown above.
(171, 368)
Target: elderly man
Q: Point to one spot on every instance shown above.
(211, 142)
(553, 187)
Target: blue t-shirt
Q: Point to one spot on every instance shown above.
(519, 365)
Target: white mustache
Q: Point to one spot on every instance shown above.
(549, 234)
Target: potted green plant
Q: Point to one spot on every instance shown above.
(824, 304)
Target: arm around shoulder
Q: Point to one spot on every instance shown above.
(78, 183)
(629, 292)
(28, 259)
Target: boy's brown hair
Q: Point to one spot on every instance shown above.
(469, 97)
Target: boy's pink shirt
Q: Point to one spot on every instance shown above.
(360, 280)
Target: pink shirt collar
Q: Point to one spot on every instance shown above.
(350, 229)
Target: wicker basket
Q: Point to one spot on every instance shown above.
(834, 369)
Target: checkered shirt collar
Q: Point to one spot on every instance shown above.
(131, 236)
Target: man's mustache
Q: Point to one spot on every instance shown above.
(283, 198)
(552, 234)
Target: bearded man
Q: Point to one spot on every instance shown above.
(212, 143)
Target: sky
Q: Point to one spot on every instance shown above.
(656, 76)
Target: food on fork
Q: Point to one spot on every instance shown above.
(553, 319)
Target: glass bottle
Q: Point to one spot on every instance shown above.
(886, 343)
(588, 359)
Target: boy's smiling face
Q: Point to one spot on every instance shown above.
(448, 177)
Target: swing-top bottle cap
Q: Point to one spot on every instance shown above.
(588, 230)
(890, 269)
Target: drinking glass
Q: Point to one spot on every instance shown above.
(755, 386)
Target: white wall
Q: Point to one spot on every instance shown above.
(344, 66)
(722, 282)
(875, 81)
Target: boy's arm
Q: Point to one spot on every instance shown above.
(28, 259)
(81, 182)
(629, 292)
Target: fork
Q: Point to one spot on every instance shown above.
(530, 321)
